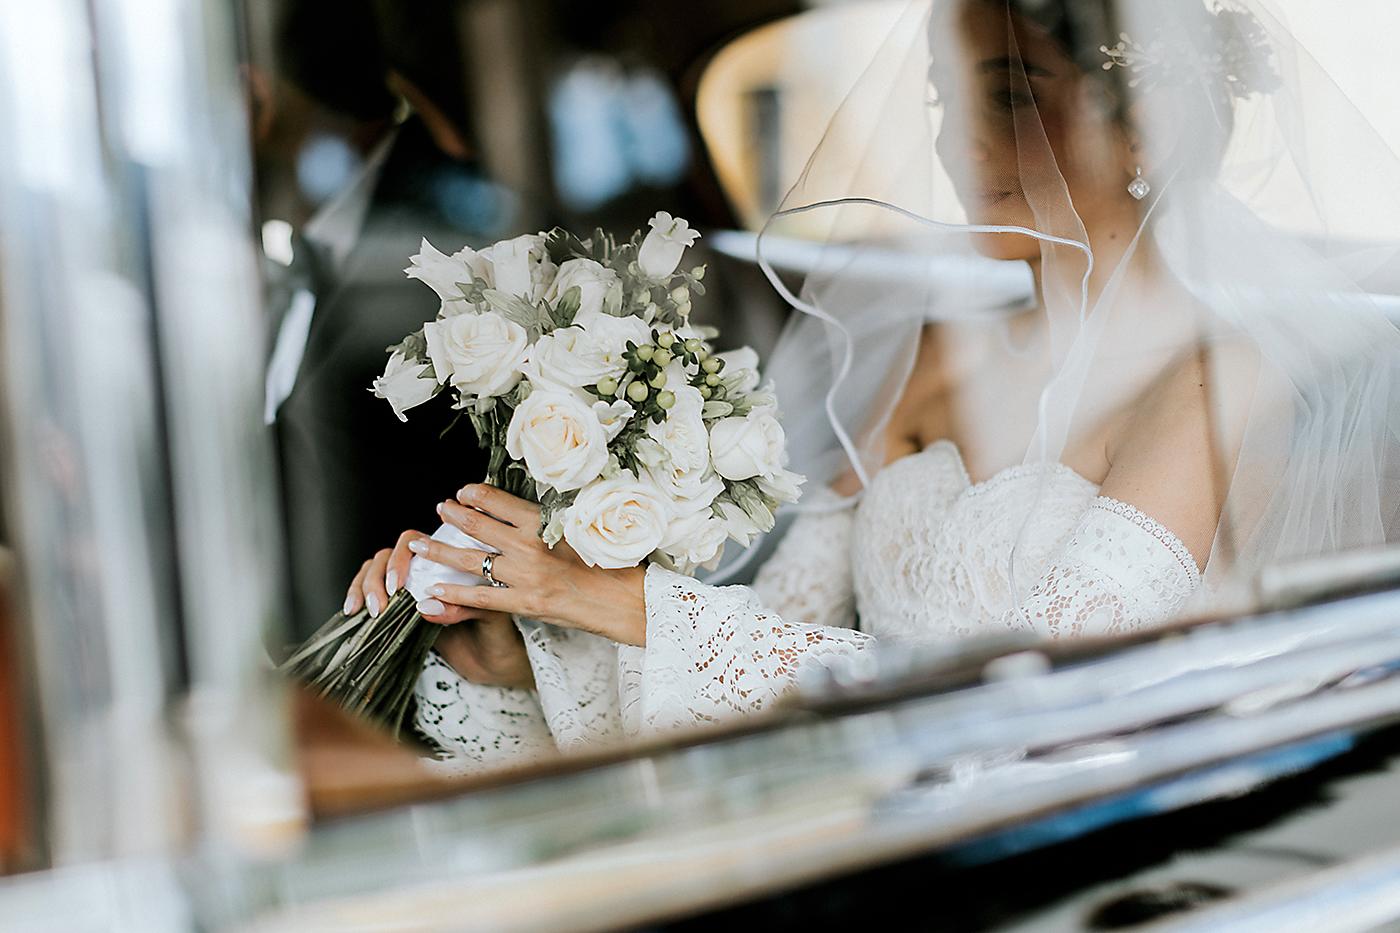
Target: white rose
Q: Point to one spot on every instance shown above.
(740, 369)
(559, 437)
(570, 358)
(443, 273)
(405, 384)
(480, 354)
(664, 245)
(613, 416)
(521, 266)
(678, 457)
(617, 522)
(695, 539)
(593, 281)
(746, 447)
(610, 335)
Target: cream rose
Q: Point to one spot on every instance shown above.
(570, 358)
(593, 281)
(559, 437)
(479, 353)
(405, 384)
(617, 522)
(746, 447)
(694, 539)
(610, 335)
(679, 455)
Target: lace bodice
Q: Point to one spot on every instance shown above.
(927, 556)
(938, 557)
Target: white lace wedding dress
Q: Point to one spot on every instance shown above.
(923, 558)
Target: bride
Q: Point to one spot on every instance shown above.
(1195, 383)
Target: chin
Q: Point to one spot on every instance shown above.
(1007, 246)
(1012, 213)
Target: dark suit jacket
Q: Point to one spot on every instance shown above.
(353, 475)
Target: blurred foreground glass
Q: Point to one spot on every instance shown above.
(135, 477)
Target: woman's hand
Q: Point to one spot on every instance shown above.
(489, 651)
(552, 585)
(486, 649)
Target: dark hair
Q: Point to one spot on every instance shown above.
(423, 41)
(331, 50)
(339, 52)
(1082, 28)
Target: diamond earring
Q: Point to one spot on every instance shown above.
(1138, 187)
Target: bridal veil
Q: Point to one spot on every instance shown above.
(1260, 216)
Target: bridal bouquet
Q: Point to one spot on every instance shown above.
(575, 364)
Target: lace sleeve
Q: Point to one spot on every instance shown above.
(808, 576)
(477, 727)
(714, 653)
(1119, 570)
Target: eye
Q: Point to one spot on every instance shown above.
(1008, 99)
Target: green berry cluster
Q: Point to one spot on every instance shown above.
(644, 383)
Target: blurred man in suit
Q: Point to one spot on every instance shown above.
(357, 190)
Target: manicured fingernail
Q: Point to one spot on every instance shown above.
(440, 507)
(349, 604)
(418, 547)
(373, 602)
(437, 590)
(391, 582)
(431, 607)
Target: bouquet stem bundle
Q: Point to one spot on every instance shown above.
(368, 665)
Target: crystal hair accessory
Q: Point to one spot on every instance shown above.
(1234, 52)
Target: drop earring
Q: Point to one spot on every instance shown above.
(1138, 187)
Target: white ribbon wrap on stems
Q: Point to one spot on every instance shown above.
(423, 573)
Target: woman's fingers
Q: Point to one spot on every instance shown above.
(465, 559)
(399, 560)
(373, 583)
(494, 598)
(483, 527)
(510, 509)
(440, 613)
(355, 598)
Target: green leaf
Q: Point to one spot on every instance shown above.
(496, 461)
(413, 347)
(716, 409)
(514, 308)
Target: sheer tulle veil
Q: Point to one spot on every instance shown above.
(990, 138)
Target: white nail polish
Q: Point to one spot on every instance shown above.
(418, 547)
(391, 582)
(431, 607)
(437, 590)
(373, 602)
(349, 605)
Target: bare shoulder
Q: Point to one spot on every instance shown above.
(1173, 454)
